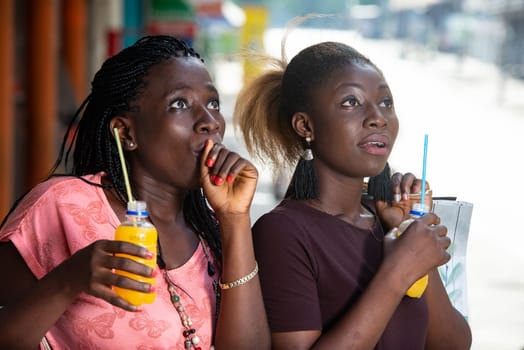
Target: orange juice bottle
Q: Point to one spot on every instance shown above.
(417, 289)
(136, 229)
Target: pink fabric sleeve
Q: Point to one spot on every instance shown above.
(57, 218)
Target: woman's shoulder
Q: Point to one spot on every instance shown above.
(290, 218)
(287, 211)
(49, 195)
(63, 188)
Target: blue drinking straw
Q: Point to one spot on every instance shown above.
(424, 159)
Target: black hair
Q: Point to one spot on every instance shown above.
(309, 68)
(115, 87)
(379, 187)
(304, 182)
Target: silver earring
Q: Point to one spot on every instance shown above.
(131, 144)
(308, 153)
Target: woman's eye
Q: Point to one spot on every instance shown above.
(214, 104)
(178, 104)
(351, 101)
(387, 103)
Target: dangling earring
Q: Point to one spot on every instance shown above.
(304, 183)
(308, 153)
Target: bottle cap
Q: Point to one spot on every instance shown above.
(138, 208)
(418, 209)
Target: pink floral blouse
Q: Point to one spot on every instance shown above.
(65, 214)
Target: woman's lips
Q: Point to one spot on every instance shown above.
(375, 144)
(200, 149)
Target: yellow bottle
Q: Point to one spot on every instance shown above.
(417, 289)
(136, 229)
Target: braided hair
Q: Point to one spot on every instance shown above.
(265, 108)
(115, 86)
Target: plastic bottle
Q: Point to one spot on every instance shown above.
(417, 289)
(136, 229)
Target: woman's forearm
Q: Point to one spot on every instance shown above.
(448, 329)
(242, 321)
(26, 320)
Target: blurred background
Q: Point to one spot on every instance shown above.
(456, 69)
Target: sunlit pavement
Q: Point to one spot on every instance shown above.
(475, 153)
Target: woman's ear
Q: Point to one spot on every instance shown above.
(125, 132)
(303, 125)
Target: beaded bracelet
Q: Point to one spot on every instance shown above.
(241, 280)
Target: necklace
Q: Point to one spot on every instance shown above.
(368, 214)
(189, 332)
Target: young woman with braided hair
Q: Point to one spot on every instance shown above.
(331, 278)
(56, 246)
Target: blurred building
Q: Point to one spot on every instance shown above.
(511, 14)
(424, 22)
(490, 30)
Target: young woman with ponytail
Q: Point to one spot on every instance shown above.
(331, 276)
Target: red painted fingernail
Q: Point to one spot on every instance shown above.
(229, 178)
(210, 162)
(207, 143)
(149, 255)
(218, 180)
(152, 289)
(154, 273)
(213, 177)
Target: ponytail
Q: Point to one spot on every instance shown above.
(258, 114)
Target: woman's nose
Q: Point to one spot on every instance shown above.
(208, 122)
(375, 117)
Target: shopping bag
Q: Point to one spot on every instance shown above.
(456, 216)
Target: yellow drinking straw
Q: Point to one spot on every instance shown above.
(123, 163)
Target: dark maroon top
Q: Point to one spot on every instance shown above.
(314, 267)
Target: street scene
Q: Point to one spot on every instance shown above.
(455, 69)
(474, 150)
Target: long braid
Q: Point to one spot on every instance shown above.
(304, 182)
(196, 204)
(379, 187)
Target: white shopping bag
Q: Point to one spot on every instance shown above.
(456, 216)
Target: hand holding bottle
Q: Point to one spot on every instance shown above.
(417, 289)
(91, 270)
(418, 249)
(406, 190)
